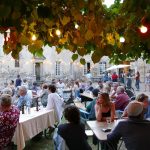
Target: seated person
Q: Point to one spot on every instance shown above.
(89, 86)
(9, 117)
(104, 108)
(134, 131)
(55, 102)
(89, 113)
(143, 99)
(24, 98)
(122, 99)
(73, 132)
(113, 92)
(43, 95)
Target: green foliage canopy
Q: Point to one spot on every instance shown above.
(86, 26)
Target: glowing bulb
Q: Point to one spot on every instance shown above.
(122, 39)
(33, 37)
(143, 29)
(58, 32)
(76, 26)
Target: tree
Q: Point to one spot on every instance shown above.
(81, 26)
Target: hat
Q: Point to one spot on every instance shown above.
(134, 109)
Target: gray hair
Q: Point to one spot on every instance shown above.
(23, 88)
(120, 89)
(5, 100)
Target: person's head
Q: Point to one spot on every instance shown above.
(60, 81)
(103, 99)
(135, 109)
(115, 85)
(11, 82)
(44, 86)
(5, 102)
(120, 89)
(72, 114)
(18, 76)
(100, 83)
(22, 90)
(52, 88)
(144, 99)
(95, 92)
(89, 82)
(34, 83)
(24, 80)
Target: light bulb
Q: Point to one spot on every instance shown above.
(33, 37)
(143, 29)
(76, 26)
(122, 39)
(58, 32)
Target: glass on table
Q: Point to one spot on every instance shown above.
(108, 121)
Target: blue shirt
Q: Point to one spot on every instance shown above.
(24, 100)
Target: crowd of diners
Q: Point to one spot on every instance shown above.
(109, 99)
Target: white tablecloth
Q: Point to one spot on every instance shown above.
(31, 124)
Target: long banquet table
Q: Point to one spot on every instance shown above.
(31, 124)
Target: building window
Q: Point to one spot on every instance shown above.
(57, 68)
(17, 63)
(87, 68)
(102, 67)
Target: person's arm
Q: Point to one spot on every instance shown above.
(114, 137)
(98, 112)
(88, 107)
(19, 103)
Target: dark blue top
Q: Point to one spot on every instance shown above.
(134, 132)
(74, 136)
(18, 82)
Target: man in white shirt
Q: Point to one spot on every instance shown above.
(55, 102)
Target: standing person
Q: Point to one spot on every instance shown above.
(60, 87)
(9, 117)
(76, 89)
(134, 131)
(129, 80)
(137, 80)
(147, 81)
(114, 77)
(25, 83)
(104, 108)
(121, 77)
(73, 132)
(18, 81)
(55, 102)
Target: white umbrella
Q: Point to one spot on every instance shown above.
(117, 67)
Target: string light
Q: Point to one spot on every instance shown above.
(34, 37)
(143, 29)
(76, 26)
(58, 33)
(122, 39)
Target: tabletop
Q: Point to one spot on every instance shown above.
(97, 128)
(32, 124)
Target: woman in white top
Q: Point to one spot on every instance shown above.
(55, 102)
